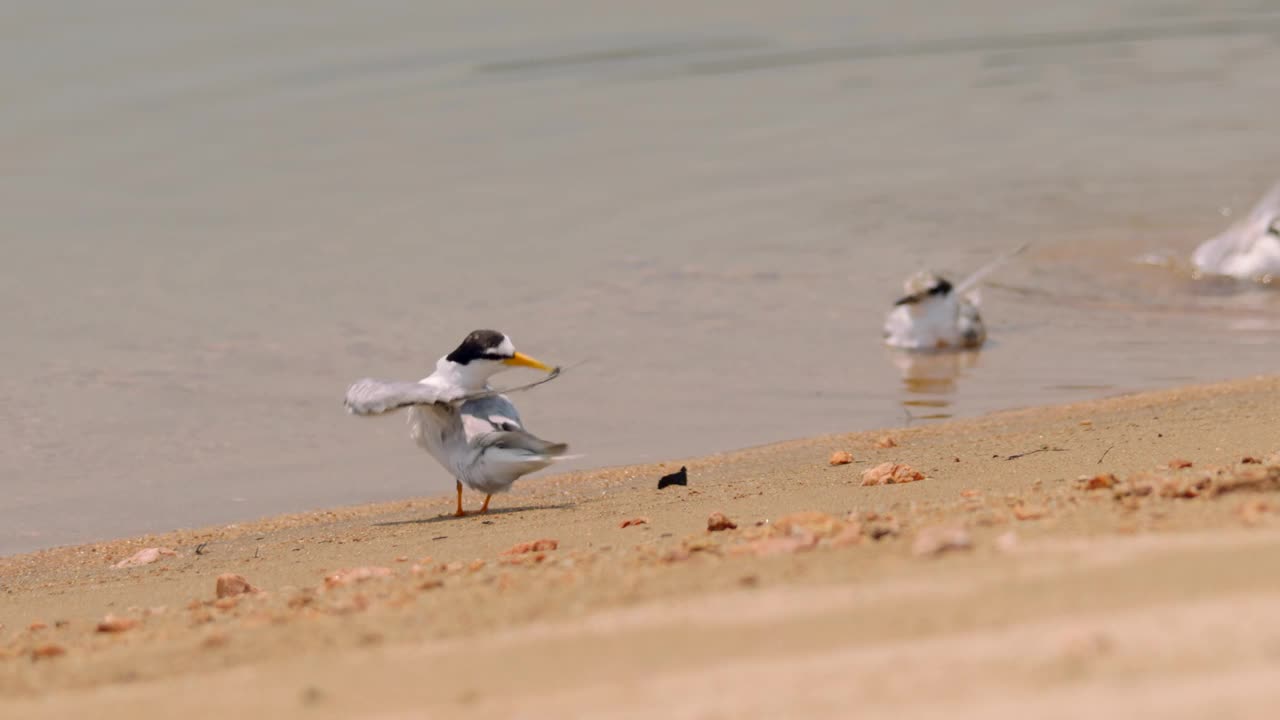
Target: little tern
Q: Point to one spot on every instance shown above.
(936, 315)
(470, 428)
(1250, 248)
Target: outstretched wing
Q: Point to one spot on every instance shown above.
(374, 397)
(971, 282)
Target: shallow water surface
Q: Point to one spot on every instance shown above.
(217, 216)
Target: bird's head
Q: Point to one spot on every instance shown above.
(923, 287)
(484, 353)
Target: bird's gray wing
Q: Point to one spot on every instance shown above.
(521, 440)
(492, 413)
(374, 397)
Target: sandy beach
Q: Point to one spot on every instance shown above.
(1108, 558)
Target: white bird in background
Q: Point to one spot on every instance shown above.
(468, 427)
(935, 315)
(1249, 249)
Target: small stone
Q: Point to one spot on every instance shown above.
(1179, 464)
(849, 534)
(532, 546)
(348, 576)
(115, 624)
(840, 457)
(145, 556)
(680, 477)
(215, 639)
(231, 585)
(37, 625)
(226, 603)
(1250, 460)
(970, 493)
(1253, 510)
(937, 540)
(633, 521)
(1102, 481)
(46, 651)
(769, 547)
(717, 521)
(476, 565)
(886, 442)
(811, 521)
(1029, 512)
(402, 558)
(890, 473)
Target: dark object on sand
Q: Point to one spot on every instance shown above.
(675, 478)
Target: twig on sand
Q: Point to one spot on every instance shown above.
(1104, 454)
(1042, 448)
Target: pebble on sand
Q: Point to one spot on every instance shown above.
(1178, 464)
(116, 624)
(718, 521)
(886, 442)
(937, 540)
(49, 650)
(1029, 512)
(812, 522)
(679, 477)
(633, 521)
(840, 457)
(1253, 510)
(890, 473)
(532, 546)
(146, 556)
(231, 585)
(1101, 481)
(769, 547)
(348, 576)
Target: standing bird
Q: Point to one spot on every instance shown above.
(935, 315)
(468, 427)
(1249, 249)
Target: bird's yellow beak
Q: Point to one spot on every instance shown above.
(522, 360)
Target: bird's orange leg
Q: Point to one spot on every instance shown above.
(485, 507)
(460, 511)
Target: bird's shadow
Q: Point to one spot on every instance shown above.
(450, 516)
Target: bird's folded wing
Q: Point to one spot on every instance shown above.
(522, 440)
(374, 397)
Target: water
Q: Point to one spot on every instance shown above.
(216, 215)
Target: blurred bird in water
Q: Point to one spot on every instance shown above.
(936, 315)
(1249, 249)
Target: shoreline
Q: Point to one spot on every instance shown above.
(318, 516)
(819, 569)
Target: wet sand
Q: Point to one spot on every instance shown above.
(1154, 594)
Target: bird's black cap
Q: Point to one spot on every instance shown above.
(479, 345)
